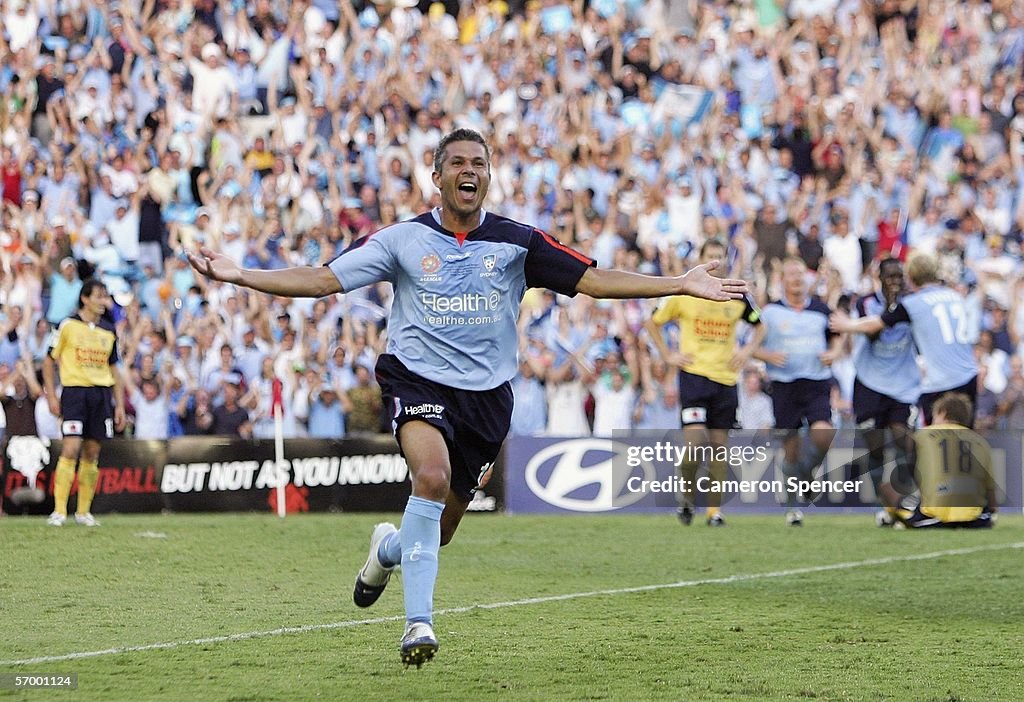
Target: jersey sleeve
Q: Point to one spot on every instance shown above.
(895, 314)
(860, 306)
(56, 345)
(666, 312)
(820, 307)
(550, 264)
(751, 313)
(368, 260)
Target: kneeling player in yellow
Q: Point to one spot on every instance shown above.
(953, 471)
(91, 402)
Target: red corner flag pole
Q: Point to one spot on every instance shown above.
(277, 405)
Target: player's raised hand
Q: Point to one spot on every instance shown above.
(700, 282)
(215, 265)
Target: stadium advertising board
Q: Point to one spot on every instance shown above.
(637, 473)
(129, 479)
(218, 474)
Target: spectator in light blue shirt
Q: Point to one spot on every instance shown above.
(327, 410)
(530, 413)
(755, 77)
(64, 288)
(244, 72)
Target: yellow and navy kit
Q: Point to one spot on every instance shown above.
(707, 332)
(954, 472)
(85, 352)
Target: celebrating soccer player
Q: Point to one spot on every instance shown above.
(799, 350)
(459, 275)
(942, 332)
(888, 381)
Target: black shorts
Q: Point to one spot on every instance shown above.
(703, 401)
(872, 409)
(801, 401)
(970, 388)
(474, 423)
(87, 413)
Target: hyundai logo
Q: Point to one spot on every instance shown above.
(585, 475)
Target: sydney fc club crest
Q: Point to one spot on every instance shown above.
(489, 261)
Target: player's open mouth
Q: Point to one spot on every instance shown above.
(467, 191)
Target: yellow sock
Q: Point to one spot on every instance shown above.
(64, 475)
(718, 472)
(88, 475)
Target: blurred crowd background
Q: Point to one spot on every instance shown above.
(839, 131)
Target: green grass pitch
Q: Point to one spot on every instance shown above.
(836, 610)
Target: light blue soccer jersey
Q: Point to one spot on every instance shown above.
(457, 296)
(887, 363)
(942, 332)
(802, 335)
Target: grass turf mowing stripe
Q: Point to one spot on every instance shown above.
(518, 603)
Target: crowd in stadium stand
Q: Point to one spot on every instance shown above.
(838, 131)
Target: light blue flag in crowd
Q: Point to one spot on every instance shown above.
(682, 104)
(750, 121)
(607, 8)
(556, 20)
(635, 113)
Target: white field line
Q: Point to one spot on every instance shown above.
(743, 577)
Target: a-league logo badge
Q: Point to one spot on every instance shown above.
(430, 263)
(489, 261)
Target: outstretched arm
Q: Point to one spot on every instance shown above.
(697, 282)
(301, 281)
(841, 323)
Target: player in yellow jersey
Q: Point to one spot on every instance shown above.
(91, 403)
(953, 471)
(709, 364)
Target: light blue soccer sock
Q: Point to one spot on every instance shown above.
(421, 539)
(389, 551)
